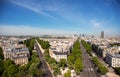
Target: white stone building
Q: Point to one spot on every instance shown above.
(113, 59)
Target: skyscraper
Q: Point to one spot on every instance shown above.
(102, 34)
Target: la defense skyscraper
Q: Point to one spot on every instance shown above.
(102, 34)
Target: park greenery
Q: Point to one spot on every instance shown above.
(75, 58)
(32, 69)
(87, 47)
(101, 68)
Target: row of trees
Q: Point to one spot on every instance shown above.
(44, 44)
(30, 44)
(101, 68)
(75, 58)
(87, 47)
(33, 67)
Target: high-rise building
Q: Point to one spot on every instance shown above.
(102, 34)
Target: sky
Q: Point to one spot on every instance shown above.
(59, 17)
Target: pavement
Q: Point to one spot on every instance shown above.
(45, 67)
(89, 69)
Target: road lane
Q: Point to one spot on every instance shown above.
(44, 64)
(89, 69)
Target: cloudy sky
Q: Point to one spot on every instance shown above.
(38, 17)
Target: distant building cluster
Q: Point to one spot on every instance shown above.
(108, 48)
(60, 48)
(14, 50)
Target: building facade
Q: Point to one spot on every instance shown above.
(113, 60)
(20, 55)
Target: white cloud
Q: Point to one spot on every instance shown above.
(95, 23)
(33, 6)
(28, 30)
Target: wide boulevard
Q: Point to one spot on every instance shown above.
(89, 69)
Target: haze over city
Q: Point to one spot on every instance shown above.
(59, 17)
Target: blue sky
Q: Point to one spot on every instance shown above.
(58, 17)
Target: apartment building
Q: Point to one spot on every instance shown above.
(58, 54)
(113, 59)
(60, 48)
(20, 55)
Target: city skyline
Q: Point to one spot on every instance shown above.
(59, 17)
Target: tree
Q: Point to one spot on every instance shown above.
(63, 62)
(7, 63)
(21, 74)
(22, 68)
(1, 54)
(102, 69)
(32, 69)
(87, 46)
(71, 61)
(12, 70)
(44, 44)
(57, 71)
(1, 68)
(67, 73)
(51, 60)
(78, 66)
(30, 44)
(39, 73)
(95, 61)
(5, 74)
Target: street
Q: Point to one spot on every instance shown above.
(45, 67)
(89, 69)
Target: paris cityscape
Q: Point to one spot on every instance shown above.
(59, 38)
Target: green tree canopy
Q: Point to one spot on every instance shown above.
(63, 62)
(12, 70)
(1, 54)
(44, 44)
(7, 63)
(67, 73)
(78, 66)
(1, 68)
(39, 73)
(21, 74)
